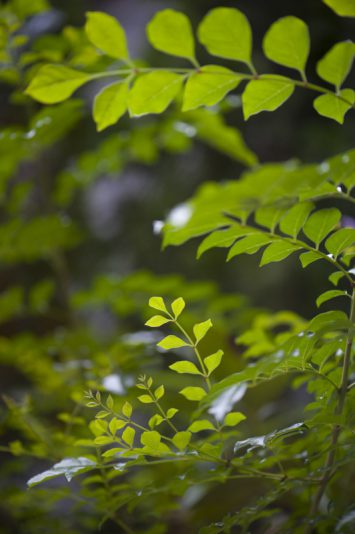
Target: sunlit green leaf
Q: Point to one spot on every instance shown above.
(185, 367)
(127, 409)
(128, 435)
(266, 94)
(157, 303)
(193, 393)
(172, 342)
(159, 392)
(203, 424)
(294, 219)
(181, 440)
(340, 241)
(55, 83)
(213, 361)
(277, 251)
(110, 104)
(328, 295)
(233, 418)
(287, 43)
(306, 258)
(209, 85)
(157, 320)
(170, 32)
(226, 32)
(106, 33)
(201, 329)
(336, 64)
(151, 439)
(155, 420)
(178, 305)
(171, 412)
(249, 244)
(344, 8)
(321, 223)
(153, 92)
(145, 399)
(116, 424)
(335, 106)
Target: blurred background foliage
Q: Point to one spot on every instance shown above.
(80, 251)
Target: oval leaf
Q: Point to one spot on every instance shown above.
(213, 361)
(153, 92)
(106, 33)
(110, 104)
(336, 64)
(185, 367)
(335, 106)
(55, 83)
(201, 329)
(170, 32)
(321, 223)
(193, 393)
(172, 342)
(266, 94)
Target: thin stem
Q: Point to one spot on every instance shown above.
(338, 411)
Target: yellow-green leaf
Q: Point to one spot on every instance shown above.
(128, 435)
(157, 303)
(213, 361)
(145, 399)
(157, 320)
(233, 418)
(106, 33)
(203, 424)
(151, 439)
(181, 440)
(321, 223)
(344, 8)
(170, 32)
(193, 393)
(185, 367)
(336, 64)
(110, 104)
(340, 241)
(209, 85)
(55, 83)
(226, 32)
(335, 106)
(201, 329)
(328, 295)
(153, 92)
(178, 306)
(266, 94)
(127, 409)
(159, 392)
(287, 42)
(172, 342)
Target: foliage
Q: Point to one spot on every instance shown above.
(138, 448)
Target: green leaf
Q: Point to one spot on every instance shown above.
(321, 223)
(266, 94)
(110, 104)
(181, 440)
(171, 412)
(69, 467)
(201, 329)
(103, 440)
(109, 402)
(151, 439)
(153, 92)
(340, 241)
(287, 42)
(221, 238)
(309, 257)
(55, 83)
(292, 223)
(127, 409)
(172, 342)
(170, 32)
(145, 399)
(328, 295)
(233, 419)
(157, 320)
(178, 305)
(226, 33)
(249, 244)
(128, 436)
(203, 424)
(116, 424)
(277, 251)
(335, 106)
(106, 33)
(334, 278)
(213, 361)
(336, 64)
(185, 367)
(344, 8)
(159, 392)
(208, 86)
(155, 420)
(193, 393)
(158, 304)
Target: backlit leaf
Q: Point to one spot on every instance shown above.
(266, 94)
(153, 92)
(328, 295)
(127, 409)
(292, 223)
(321, 223)
(170, 32)
(209, 85)
(178, 306)
(193, 393)
(172, 342)
(55, 83)
(128, 435)
(249, 245)
(106, 33)
(277, 251)
(185, 367)
(151, 439)
(203, 424)
(213, 361)
(233, 418)
(110, 104)
(306, 258)
(287, 42)
(159, 392)
(340, 241)
(157, 303)
(181, 440)
(336, 64)
(226, 32)
(201, 329)
(157, 320)
(335, 106)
